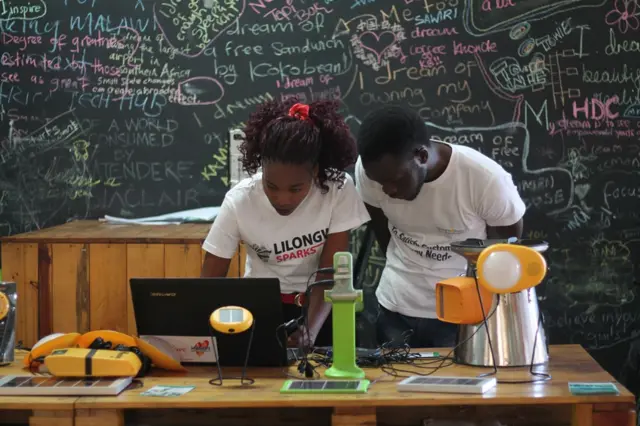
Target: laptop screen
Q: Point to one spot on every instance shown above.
(178, 309)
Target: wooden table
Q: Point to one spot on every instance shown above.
(75, 277)
(36, 411)
(546, 404)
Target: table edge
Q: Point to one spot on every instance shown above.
(31, 406)
(102, 240)
(155, 404)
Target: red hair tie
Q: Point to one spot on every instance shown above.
(299, 111)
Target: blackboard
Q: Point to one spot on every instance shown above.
(122, 107)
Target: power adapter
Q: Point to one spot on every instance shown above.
(292, 326)
(305, 367)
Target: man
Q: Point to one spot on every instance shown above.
(421, 196)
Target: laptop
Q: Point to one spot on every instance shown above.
(177, 311)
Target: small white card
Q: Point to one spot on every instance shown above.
(168, 391)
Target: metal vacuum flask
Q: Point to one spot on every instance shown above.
(8, 318)
(513, 322)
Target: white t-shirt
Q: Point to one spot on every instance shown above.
(473, 192)
(284, 247)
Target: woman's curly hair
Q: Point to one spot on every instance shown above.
(323, 140)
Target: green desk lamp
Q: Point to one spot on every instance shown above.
(344, 299)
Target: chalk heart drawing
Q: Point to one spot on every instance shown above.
(173, 28)
(377, 44)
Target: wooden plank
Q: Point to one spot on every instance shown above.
(13, 269)
(93, 231)
(108, 286)
(614, 415)
(290, 416)
(12, 265)
(14, 417)
(582, 415)
(143, 261)
(70, 288)
(51, 418)
(99, 418)
(354, 416)
(234, 266)
(476, 414)
(45, 313)
(242, 259)
(30, 295)
(83, 291)
(182, 260)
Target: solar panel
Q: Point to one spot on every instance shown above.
(438, 384)
(445, 381)
(325, 386)
(47, 385)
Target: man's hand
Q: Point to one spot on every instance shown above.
(301, 337)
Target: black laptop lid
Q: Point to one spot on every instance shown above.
(182, 307)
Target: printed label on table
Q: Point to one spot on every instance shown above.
(168, 391)
(593, 388)
(428, 354)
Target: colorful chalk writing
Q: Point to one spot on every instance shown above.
(124, 108)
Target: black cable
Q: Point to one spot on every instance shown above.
(305, 367)
(100, 343)
(387, 360)
(486, 327)
(20, 346)
(391, 355)
(402, 355)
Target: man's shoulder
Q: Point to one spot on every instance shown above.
(476, 163)
(360, 175)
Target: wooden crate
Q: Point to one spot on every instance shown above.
(75, 277)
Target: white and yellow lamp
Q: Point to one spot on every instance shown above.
(231, 320)
(495, 305)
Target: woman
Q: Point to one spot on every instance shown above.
(296, 209)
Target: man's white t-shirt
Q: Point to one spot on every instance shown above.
(473, 192)
(284, 247)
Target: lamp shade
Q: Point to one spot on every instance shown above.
(509, 268)
(231, 320)
(457, 301)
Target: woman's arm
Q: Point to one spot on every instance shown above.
(214, 266)
(319, 309)
(222, 241)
